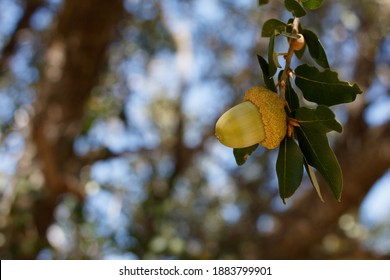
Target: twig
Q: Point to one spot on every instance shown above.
(288, 57)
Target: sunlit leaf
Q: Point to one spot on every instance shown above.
(267, 78)
(289, 168)
(242, 154)
(315, 47)
(324, 87)
(275, 58)
(272, 26)
(312, 4)
(295, 8)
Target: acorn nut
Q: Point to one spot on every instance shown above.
(298, 44)
(259, 119)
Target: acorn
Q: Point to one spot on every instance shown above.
(298, 44)
(259, 119)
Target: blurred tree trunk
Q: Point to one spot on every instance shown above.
(74, 59)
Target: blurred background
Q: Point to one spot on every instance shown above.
(107, 147)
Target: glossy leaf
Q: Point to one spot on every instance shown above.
(267, 78)
(315, 47)
(272, 27)
(263, 2)
(315, 147)
(242, 154)
(320, 118)
(313, 179)
(295, 8)
(312, 4)
(289, 168)
(324, 87)
(272, 65)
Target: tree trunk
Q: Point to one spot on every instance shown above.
(74, 59)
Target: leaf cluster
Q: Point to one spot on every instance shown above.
(307, 146)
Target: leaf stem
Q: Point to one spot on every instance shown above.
(288, 57)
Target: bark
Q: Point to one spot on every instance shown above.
(74, 59)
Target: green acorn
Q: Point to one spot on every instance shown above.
(259, 119)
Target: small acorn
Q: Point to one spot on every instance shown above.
(298, 44)
(259, 119)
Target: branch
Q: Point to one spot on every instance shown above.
(288, 57)
(74, 60)
(24, 22)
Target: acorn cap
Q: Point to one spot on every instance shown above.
(274, 118)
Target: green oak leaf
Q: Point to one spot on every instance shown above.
(313, 179)
(312, 4)
(317, 152)
(295, 8)
(271, 61)
(267, 78)
(324, 87)
(272, 27)
(321, 117)
(275, 58)
(242, 154)
(289, 168)
(315, 47)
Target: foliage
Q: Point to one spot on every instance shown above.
(307, 126)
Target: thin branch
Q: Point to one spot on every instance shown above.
(24, 22)
(288, 57)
